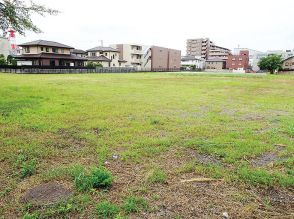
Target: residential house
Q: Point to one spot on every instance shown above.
(238, 62)
(48, 53)
(159, 58)
(192, 61)
(215, 64)
(288, 64)
(106, 56)
(79, 53)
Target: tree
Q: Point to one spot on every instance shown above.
(16, 14)
(91, 64)
(2, 59)
(271, 63)
(11, 60)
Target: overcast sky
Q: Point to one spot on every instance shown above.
(255, 24)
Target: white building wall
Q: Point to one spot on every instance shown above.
(4, 46)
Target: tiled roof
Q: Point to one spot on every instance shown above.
(50, 56)
(46, 43)
(78, 51)
(102, 49)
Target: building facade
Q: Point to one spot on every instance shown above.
(4, 46)
(238, 62)
(48, 53)
(132, 54)
(215, 64)
(160, 58)
(288, 64)
(206, 49)
(106, 56)
(192, 61)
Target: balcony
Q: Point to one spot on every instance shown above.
(136, 51)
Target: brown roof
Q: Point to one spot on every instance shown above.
(50, 56)
(102, 49)
(99, 58)
(46, 43)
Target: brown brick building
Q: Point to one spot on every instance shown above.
(160, 58)
(240, 61)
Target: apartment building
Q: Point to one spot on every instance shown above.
(238, 62)
(106, 56)
(132, 54)
(4, 46)
(159, 58)
(48, 53)
(206, 49)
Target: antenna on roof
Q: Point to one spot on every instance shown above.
(101, 43)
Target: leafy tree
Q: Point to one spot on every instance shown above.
(16, 14)
(2, 59)
(11, 60)
(271, 63)
(94, 65)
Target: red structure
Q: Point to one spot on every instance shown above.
(237, 62)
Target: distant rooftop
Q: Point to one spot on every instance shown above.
(102, 49)
(46, 43)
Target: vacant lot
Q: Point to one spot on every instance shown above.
(69, 133)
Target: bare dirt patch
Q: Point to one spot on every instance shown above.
(268, 158)
(46, 194)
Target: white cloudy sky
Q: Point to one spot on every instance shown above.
(257, 24)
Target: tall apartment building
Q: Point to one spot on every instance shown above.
(159, 58)
(132, 54)
(4, 46)
(204, 48)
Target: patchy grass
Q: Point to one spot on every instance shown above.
(107, 210)
(68, 128)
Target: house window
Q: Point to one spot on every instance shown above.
(101, 53)
(47, 49)
(55, 50)
(106, 54)
(27, 49)
(62, 50)
(42, 49)
(93, 54)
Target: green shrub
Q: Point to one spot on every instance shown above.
(98, 178)
(28, 168)
(135, 204)
(107, 210)
(101, 178)
(156, 175)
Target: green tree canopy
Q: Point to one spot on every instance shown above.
(16, 14)
(2, 59)
(271, 63)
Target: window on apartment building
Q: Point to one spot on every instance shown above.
(62, 50)
(42, 49)
(101, 53)
(233, 63)
(233, 59)
(240, 59)
(27, 49)
(47, 49)
(239, 64)
(286, 64)
(55, 50)
(93, 54)
(106, 54)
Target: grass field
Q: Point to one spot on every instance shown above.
(149, 131)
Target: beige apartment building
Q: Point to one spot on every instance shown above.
(132, 54)
(159, 58)
(107, 56)
(206, 49)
